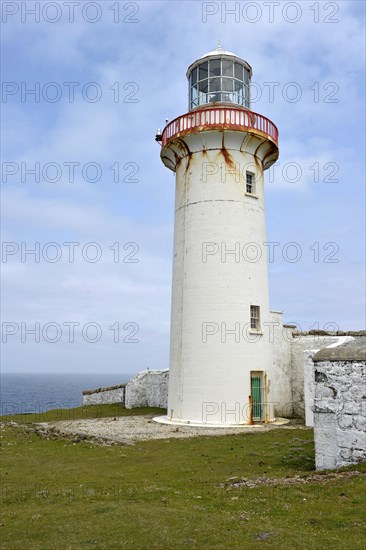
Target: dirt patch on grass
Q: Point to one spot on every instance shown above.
(127, 430)
(234, 483)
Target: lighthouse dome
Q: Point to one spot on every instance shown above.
(219, 76)
(218, 50)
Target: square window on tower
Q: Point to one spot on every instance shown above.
(255, 318)
(250, 183)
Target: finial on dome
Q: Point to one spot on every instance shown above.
(219, 47)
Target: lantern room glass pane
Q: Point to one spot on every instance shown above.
(194, 76)
(238, 71)
(229, 97)
(203, 71)
(246, 76)
(215, 97)
(239, 92)
(238, 85)
(215, 84)
(215, 67)
(227, 68)
(202, 98)
(246, 96)
(227, 84)
(202, 91)
(194, 93)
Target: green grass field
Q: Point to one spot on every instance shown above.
(171, 494)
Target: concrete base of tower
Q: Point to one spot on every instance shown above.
(195, 424)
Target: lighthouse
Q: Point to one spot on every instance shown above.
(221, 349)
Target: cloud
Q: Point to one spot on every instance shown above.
(315, 134)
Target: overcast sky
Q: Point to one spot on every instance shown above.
(105, 77)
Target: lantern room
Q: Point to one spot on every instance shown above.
(219, 77)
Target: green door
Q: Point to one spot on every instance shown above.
(257, 405)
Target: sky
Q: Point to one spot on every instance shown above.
(85, 86)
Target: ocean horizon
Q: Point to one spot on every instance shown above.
(24, 393)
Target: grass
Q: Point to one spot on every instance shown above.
(90, 411)
(168, 494)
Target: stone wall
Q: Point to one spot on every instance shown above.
(103, 396)
(309, 382)
(148, 388)
(304, 342)
(291, 351)
(339, 407)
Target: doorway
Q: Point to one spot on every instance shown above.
(256, 384)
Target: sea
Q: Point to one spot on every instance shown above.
(23, 393)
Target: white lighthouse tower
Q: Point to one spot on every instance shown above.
(220, 358)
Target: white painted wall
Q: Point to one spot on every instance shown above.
(210, 380)
(281, 390)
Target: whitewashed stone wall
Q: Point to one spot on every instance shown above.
(104, 396)
(293, 368)
(301, 343)
(290, 355)
(339, 413)
(309, 382)
(148, 388)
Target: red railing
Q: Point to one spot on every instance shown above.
(229, 118)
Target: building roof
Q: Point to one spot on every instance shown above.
(354, 350)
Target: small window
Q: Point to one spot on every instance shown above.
(254, 318)
(250, 183)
